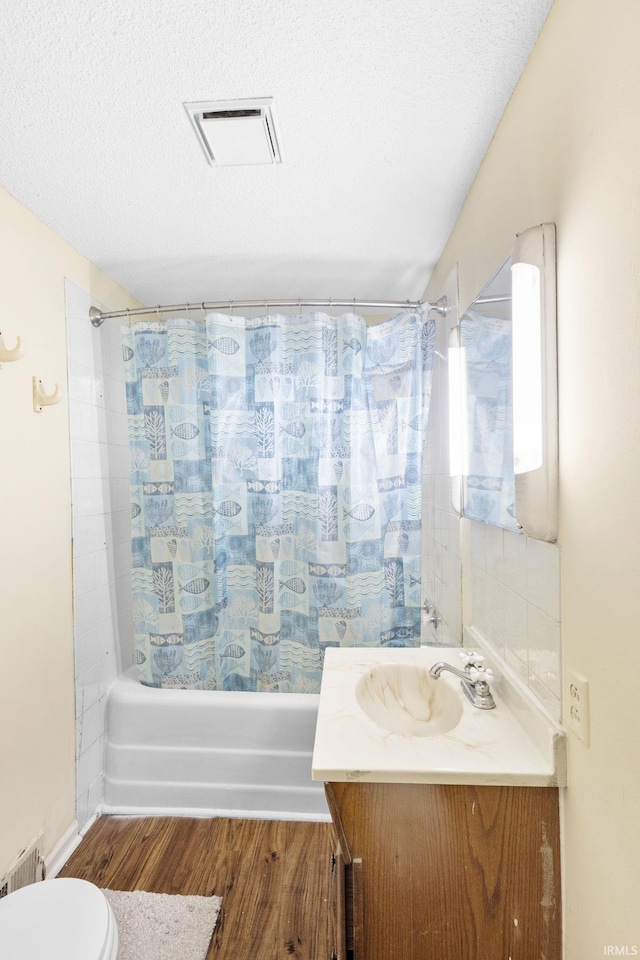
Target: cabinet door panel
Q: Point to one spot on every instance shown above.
(462, 872)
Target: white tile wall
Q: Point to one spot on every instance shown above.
(101, 530)
(515, 605)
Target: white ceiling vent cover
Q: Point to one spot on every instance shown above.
(235, 132)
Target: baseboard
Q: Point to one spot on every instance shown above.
(90, 822)
(62, 851)
(108, 809)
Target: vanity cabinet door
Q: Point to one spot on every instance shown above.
(455, 872)
(348, 891)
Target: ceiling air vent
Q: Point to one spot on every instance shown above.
(235, 132)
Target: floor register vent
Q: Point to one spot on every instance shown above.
(27, 868)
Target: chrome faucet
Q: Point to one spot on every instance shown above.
(474, 680)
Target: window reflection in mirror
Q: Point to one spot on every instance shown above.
(488, 486)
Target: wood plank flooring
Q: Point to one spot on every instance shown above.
(274, 877)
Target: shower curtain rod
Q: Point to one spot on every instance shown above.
(97, 317)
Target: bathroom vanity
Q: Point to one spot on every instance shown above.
(447, 842)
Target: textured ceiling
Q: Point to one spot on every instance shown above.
(385, 110)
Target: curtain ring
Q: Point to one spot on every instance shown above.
(202, 308)
(299, 307)
(188, 310)
(128, 316)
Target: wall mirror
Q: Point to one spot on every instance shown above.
(503, 395)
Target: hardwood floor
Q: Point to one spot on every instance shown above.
(274, 877)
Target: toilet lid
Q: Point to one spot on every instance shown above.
(60, 919)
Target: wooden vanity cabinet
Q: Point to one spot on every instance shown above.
(446, 872)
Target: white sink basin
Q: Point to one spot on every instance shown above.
(382, 717)
(402, 698)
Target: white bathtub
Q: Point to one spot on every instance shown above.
(202, 753)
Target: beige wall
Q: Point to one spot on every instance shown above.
(37, 721)
(568, 150)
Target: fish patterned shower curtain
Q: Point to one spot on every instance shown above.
(276, 493)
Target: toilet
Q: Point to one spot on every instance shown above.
(60, 919)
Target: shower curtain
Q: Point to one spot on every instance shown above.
(276, 493)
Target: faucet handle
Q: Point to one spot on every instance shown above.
(471, 659)
(481, 676)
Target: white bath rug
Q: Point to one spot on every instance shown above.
(159, 926)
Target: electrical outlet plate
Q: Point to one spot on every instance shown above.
(577, 705)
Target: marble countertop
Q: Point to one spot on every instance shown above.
(514, 744)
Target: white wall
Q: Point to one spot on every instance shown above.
(101, 508)
(567, 151)
(37, 722)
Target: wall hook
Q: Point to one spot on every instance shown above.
(41, 399)
(6, 355)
